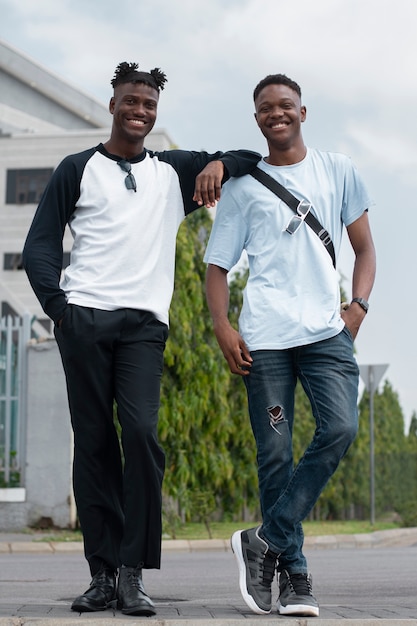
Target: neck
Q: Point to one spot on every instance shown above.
(286, 157)
(125, 150)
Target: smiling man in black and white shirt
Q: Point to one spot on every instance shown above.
(124, 205)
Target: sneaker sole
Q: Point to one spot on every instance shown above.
(236, 544)
(298, 609)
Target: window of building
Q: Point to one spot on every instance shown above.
(26, 186)
(13, 260)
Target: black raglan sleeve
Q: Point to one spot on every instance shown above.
(43, 250)
(188, 164)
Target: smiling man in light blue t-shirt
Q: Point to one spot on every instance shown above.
(290, 328)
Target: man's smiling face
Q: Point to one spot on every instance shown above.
(134, 109)
(279, 114)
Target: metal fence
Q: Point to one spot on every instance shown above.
(14, 337)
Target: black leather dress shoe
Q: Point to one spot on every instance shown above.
(132, 598)
(100, 595)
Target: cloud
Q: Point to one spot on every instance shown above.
(354, 60)
(392, 152)
(352, 53)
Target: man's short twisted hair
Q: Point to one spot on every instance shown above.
(128, 73)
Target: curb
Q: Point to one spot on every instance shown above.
(377, 539)
(294, 621)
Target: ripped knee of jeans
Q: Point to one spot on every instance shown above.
(276, 415)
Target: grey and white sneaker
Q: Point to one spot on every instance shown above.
(257, 566)
(296, 595)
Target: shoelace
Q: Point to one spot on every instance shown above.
(268, 568)
(101, 578)
(300, 584)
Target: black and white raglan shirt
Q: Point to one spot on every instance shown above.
(123, 254)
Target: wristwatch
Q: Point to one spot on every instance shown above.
(362, 302)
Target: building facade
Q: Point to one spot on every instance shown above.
(42, 119)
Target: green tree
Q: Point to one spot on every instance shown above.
(408, 508)
(348, 492)
(412, 432)
(346, 496)
(390, 447)
(241, 496)
(200, 403)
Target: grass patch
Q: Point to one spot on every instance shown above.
(57, 534)
(353, 527)
(223, 530)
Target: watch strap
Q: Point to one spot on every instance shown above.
(362, 303)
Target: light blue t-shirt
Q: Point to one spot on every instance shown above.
(292, 296)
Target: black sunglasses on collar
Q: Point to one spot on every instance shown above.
(130, 181)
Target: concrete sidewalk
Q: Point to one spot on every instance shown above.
(35, 543)
(359, 580)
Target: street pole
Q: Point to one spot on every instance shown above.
(371, 376)
(371, 445)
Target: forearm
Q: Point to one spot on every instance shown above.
(42, 259)
(44, 275)
(217, 294)
(209, 181)
(363, 277)
(231, 343)
(364, 274)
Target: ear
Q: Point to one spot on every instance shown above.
(256, 118)
(111, 105)
(303, 113)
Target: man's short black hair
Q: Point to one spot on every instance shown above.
(128, 73)
(276, 79)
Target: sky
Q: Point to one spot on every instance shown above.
(355, 63)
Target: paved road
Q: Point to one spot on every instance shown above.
(365, 586)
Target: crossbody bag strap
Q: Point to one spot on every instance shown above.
(293, 203)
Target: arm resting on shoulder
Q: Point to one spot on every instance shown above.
(209, 181)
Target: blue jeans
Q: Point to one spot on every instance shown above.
(329, 375)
